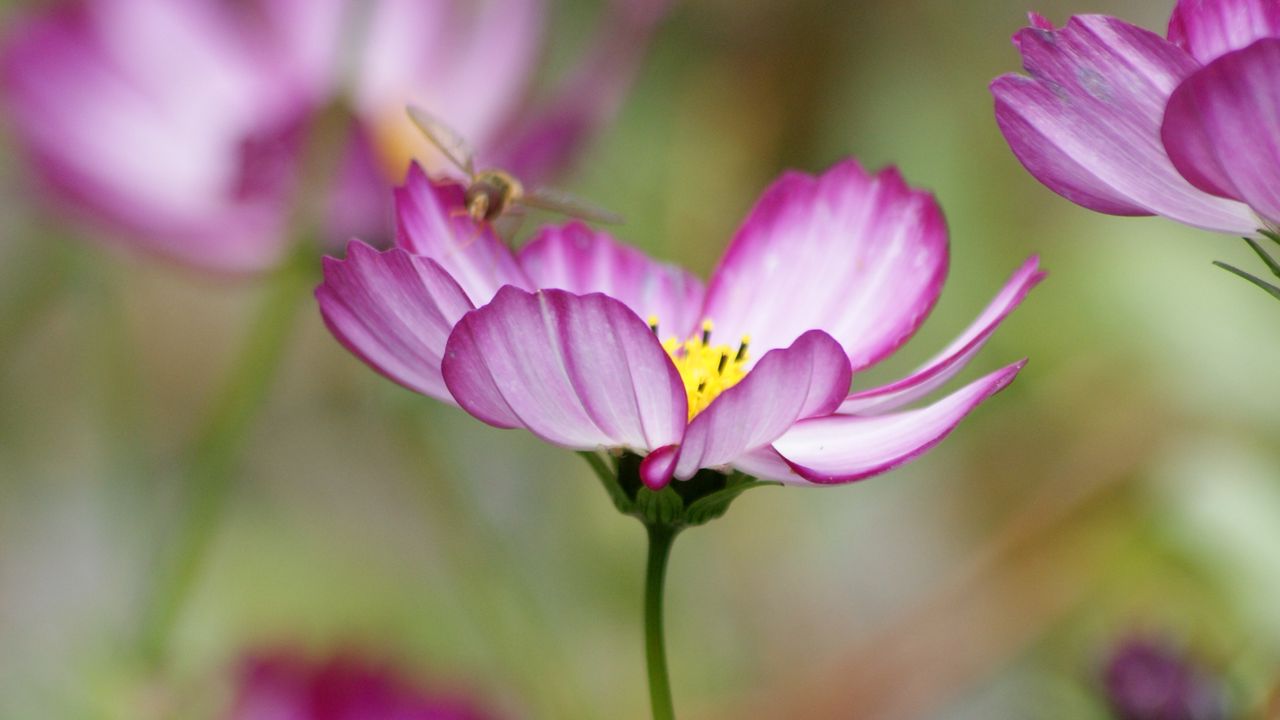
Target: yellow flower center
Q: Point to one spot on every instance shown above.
(706, 369)
(396, 142)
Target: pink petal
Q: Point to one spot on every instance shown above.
(1039, 21)
(581, 260)
(470, 63)
(658, 466)
(394, 311)
(103, 98)
(1222, 128)
(580, 371)
(1210, 28)
(433, 223)
(808, 379)
(844, 448)
(309, 34)
(861, 257)
(766, 464)
(1087, 121)
(946, 364)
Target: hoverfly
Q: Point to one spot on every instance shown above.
(492, 192)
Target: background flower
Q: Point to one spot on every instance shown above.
(183, 126)
(280, 685)
(1146, 678)
(1122, 121)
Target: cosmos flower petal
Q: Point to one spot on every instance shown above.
(805, 380)
(393, 310)
(89, 92)
(946, 364)
(579, 371)
(1086, 123)
(861, 257)
(766, 464)
(581, 260)
(1209, 29)
(432, 222)
(844, 448)
(1222, 127)
(658, 466)
(307, 32)
(468, 63)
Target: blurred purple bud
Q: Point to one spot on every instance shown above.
(1147, 679)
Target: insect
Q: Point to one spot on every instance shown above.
(491, 193)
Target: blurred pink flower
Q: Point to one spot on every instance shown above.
(286, 686)
(1120, 120)
(589, 344)
(179, 126)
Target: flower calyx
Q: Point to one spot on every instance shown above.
(680, 504)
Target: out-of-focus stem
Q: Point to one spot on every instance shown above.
(212, 460)
(661, 537)
(36, 287)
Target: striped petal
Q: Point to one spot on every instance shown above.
(1209, 29)
(858, 256)
(1086, 123)
(1222, 127)
(845, 448)
(946, 364)
(579, 371)
(393, 310)
(432, 222)
(576, 258)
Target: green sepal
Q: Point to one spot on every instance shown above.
(1270, 234)
(659, 507)
(709, 507)
(682, 503)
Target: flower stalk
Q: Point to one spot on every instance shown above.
(664, 513)
(661, 538)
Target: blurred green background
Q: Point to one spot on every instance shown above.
(1129, 480)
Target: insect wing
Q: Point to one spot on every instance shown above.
(566, 204)
(444, 138)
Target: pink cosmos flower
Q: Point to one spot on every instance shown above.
(179, 126)
(285, 686)
(1120, 120)
(589, 344)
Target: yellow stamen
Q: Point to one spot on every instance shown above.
(706, 370)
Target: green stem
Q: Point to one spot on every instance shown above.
(31, 291)
(661, 537)
(213, 457)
